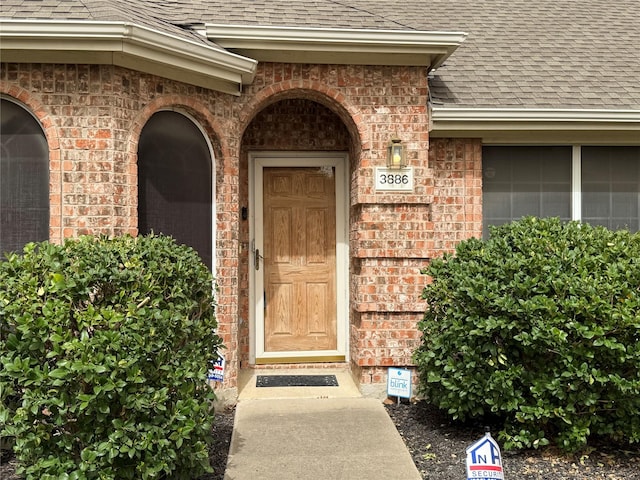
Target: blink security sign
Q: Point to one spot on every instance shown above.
(399, 383)
(484, 461)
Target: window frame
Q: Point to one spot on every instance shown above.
(212, 159)
(46, 176)
(576, 196)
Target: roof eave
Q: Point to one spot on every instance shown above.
(540, 125)
(127, 45)
(337, 46)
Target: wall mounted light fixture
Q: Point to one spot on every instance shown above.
(396, 154)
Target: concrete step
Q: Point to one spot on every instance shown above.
(247, 389)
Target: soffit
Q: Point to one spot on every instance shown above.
(336, 46)
(134, 34)
(546, 126)
(127, 45)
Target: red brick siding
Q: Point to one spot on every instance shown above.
(457, 204)
(294, 124)
(389, 232)
(93, 116)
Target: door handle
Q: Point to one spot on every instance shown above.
(257, 258)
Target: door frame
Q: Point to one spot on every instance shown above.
(257, 162)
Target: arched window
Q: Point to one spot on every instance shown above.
(175, 182)
(24, 179)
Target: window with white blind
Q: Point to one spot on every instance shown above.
(175, 182)
(599, 185)
(24, 179)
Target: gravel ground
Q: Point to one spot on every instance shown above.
(438, 450)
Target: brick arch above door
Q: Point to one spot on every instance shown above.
(296, 124)
(314, 91)
(287, 122)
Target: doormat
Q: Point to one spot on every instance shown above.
(296, 381)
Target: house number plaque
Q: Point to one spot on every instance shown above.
(393, 179)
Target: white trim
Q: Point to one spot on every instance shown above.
(330, 45)
(491, 123)
(576, 183)
(446, 114)
(212, 159)
(257, 161)
(128, 45)
(537, 126)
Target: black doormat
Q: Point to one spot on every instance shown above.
(296, 381)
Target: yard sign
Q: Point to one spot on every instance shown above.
(484, 461)
(399, 383)
(217, 374)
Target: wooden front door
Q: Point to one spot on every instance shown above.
(299, 208)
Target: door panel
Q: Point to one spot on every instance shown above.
(299, 260)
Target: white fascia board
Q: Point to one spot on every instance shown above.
(276, 43)
(131, 46)
(540, 126)
(472, 116)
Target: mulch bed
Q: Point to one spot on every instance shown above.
(438, 450)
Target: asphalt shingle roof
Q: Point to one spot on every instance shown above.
(154, 15)
(519, 53)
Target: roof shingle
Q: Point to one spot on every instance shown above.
(579, 54)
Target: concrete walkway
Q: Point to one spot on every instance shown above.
(345, 437)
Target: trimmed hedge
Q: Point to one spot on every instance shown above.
(105, 349)
(540, 327)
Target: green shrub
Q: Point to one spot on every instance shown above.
(105, 350)
(540, 327)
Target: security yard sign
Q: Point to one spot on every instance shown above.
(217, 374)
(484, 461)
(399, 383)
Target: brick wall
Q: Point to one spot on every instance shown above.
(394, 235)
(394, 241)
(457, 203)
(388, 232)
(293, 124)
(93, 116)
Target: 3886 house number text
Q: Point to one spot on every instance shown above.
(395, 180)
